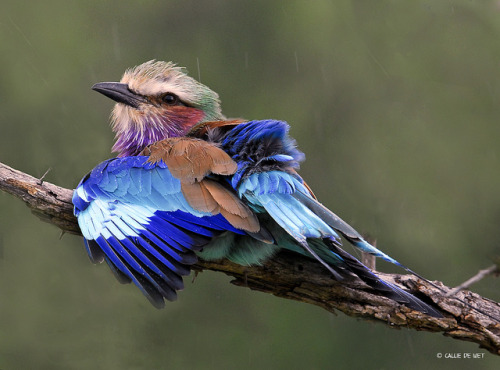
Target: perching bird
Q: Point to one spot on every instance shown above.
(188, 183)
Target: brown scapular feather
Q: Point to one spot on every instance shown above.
(250, 224)
(232, 208)
(199, 197)
(209, 196)
(190, 159)
(227, 199)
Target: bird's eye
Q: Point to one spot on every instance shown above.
(170, 99)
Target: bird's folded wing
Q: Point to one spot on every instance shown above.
(275, 192)
(134, 214)
(267, 158)
(288, 200)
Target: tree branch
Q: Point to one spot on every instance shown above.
(494, 269)
(291, 276)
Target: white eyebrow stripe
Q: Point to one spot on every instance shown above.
(155, 88)
(152, 87)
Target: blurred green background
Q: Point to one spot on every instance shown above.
(395, 103)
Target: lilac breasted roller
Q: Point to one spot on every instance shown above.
(188, 183)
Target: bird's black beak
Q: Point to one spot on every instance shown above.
(120, 93)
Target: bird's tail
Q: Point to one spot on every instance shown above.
(381, 286)
(341, 263)
(362, 271)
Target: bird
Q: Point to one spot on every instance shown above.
(189, 183)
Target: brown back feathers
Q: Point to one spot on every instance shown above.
(191, 161)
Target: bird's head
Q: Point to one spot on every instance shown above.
(154, 101)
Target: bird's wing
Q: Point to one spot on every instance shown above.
(147, 215)
(266, 177)
(267, 180)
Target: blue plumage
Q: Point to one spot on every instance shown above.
(149, 225)
(136, 216)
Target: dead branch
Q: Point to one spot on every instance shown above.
(478, 277)
(294, 277)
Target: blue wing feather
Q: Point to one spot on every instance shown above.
(154, 296)
(134, 215)
(266, 157)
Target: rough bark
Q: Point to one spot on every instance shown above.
(294, 277)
